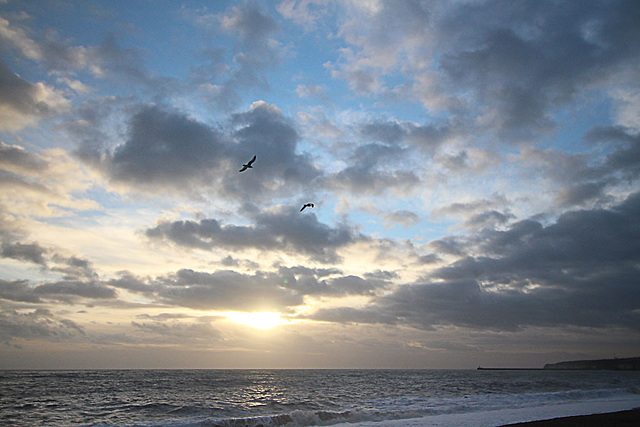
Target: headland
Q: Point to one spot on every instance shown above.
(615, 364)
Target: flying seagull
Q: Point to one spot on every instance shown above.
(306, 205)
(248, 165)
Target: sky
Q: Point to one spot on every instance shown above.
(474, 168)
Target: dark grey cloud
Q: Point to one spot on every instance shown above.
(489, 219)
(80, 280)
(31, 252)
(74, 267)
(429, 259)
(130, 282)
(166, 150)
(281, 290)
(285, 230)
(163, 316)
(579, 193)
(17, 290)
(381, 146)
(264, 131)
(224, 290)
(14, 157)
(472, 207)
(523, 60)
(388, 132)
(363, 175)
(580, 271)
(48, 259)
(24, 103)
(449, 245)
(37, 324)
(354, 315)
(173, 331)
(332, 282)
(165, 147)
(582, 178)
(430, 137)
(69, 289)
(624, 159)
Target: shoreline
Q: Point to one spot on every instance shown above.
(626, 418)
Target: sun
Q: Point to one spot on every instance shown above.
(258, 320)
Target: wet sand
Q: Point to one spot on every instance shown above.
(629, 418)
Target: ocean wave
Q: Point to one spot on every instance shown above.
(296, 398)
(411, 408)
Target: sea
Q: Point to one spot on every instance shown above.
(207, 398)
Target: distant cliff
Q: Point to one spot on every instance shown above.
(628, 364)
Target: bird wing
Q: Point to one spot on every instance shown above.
(303, 208)
(252, 160)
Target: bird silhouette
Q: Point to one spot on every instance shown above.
(306, 205)
(248, 165)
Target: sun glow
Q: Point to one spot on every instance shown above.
(258, 320)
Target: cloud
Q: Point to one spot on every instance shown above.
(365, 174)
(15, 158)
(403, 217)
(518, 68)
(50, 49)
(284, 230)
(15, 37)
(108, 60)
(255, 51)
(40, 183)
(504, 64)
(306, 13)
(490, 219)
(37, 324)
(31, 252)
(311, 90)
(378, 36)
(48, 258)
(17, 290)
(579, 271)
(79, 279)
(24, 103)
(69, 289)
(167, 149)
(581, 178)
(332, 282)
(624, 159)
(264, 130)
(282, 290)
(73, 267)
(386, 155)
(173, 331)
(221, 290)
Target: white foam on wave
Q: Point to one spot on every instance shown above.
(499, 417)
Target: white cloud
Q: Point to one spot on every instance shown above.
(18, 38)
(627, 109)
(306, 13)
